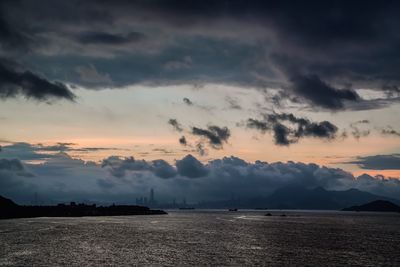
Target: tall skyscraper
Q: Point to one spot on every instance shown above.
(152, 200)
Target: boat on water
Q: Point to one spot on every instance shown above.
(186, 208)
(233, 209)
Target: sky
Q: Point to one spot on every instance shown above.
(103, 100)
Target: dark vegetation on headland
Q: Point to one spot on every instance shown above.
(378, 205)
(9, 210)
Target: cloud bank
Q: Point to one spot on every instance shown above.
(378, 162)
(118, 179)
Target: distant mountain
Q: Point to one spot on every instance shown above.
(378, 205)
(295, 197)
(298, 197)
(7, 203)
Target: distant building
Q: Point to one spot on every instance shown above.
(152, 200)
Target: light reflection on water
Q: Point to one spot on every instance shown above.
(204, 238)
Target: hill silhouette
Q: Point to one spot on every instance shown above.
(299, 197)
(8, 210)
(6, 203)
(378, 205)
(295, 197)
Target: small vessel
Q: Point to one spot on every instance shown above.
(235, 209)
(186, 208)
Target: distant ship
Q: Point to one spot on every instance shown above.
(233, 209)
(186, 208)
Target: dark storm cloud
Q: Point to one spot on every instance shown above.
(378, 162)
(215, 135)
(109, 38)
(288, 129)
(14, 82)
(305, 128)
(11, 37)
(319, 93)
(315, 50)
(175, 124)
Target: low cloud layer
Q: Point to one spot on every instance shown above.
(32, 152)
(191, 167)
(14, 178)
(118, 179)
(119, 167)
(378, 162)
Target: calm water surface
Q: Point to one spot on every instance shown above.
(217, 238)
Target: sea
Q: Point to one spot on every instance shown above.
(205, 238)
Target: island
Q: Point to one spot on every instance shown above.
(10, 210)
(376, 206)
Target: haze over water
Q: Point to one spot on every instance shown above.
(217, 238)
